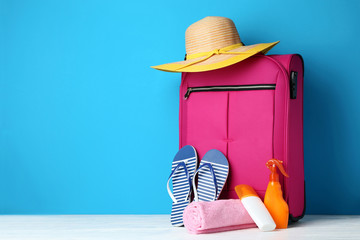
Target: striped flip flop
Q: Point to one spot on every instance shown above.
(212, 174)
(182, 172)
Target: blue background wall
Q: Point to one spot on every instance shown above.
(86, 126)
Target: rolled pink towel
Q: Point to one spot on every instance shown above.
(216, 216)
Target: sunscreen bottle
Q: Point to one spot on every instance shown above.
(273, 199)
(255, 207)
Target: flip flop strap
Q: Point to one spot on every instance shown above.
(196, 196)
(181, 164)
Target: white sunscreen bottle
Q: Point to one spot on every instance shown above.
(255, 207)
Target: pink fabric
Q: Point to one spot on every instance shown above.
(217, 216)
(295, 154)
(239, 123)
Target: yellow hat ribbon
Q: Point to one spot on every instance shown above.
(207, 55)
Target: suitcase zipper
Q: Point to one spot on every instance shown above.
(229, 88)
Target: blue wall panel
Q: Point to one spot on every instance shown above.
(86, 126)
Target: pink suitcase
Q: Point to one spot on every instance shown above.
(251, 111)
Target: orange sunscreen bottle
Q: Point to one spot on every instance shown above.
(273, 199)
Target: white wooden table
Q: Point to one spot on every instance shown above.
(102, 227)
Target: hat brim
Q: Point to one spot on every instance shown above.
(217, 61)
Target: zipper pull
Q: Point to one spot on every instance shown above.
(187, 94)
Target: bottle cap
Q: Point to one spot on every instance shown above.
(244, 191)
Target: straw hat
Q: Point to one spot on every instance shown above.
(212, 43)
